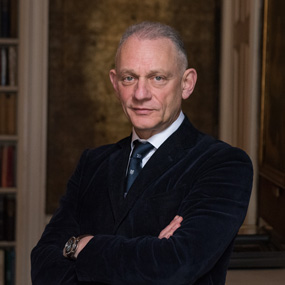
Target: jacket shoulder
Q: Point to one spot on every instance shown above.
(102, 152)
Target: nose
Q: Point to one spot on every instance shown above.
(142, 91)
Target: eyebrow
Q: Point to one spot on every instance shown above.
(151, 72)
(123, 71)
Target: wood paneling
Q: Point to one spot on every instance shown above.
(272, 140)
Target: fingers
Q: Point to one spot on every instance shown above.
(169, 230)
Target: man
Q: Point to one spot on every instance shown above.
(176, 222)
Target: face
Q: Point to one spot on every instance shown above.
(150, 84)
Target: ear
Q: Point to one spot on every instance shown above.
(114, 80)
(189, 80)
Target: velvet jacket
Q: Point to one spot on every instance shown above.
(204, 180)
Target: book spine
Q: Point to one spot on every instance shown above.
(8, 166)
(2, 217)
(12, 66)
(5, 18)
(10, 114)
(9, 266)
(1, 164)
(10, 217)
(3, 66)
(13, 18)
(8, 111)
(4, 166)
(2, 266)
(2, 114)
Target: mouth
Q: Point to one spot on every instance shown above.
(142, 111)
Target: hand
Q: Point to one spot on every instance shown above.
(168, 231)
(82, 243)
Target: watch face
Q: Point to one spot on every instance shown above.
(69, 245)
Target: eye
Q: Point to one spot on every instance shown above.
(158, 78)
(128, 79)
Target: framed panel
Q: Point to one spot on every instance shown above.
(272, 139)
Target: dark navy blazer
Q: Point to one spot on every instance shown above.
(204, 180)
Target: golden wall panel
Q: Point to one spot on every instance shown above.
(82, 109)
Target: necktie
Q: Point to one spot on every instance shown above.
(139, 152)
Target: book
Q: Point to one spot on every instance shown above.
(1, 164)
(13, 18)
(5, 18)
(2, 113)
(10, 182)
(9, 266)
(12, 66)
(2, 217)
(8, 166)
(10, 113)
(4, 65)
(9, 217)
(2, 266)
(4, 166)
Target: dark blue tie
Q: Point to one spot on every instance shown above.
(139, 152)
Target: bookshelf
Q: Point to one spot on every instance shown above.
(30, 91)
(9, 44)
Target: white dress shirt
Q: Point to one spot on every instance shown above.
(158, 139)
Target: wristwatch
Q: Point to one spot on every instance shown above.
(71, 246)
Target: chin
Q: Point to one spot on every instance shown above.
(144, 124)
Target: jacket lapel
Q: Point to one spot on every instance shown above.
(118, 162)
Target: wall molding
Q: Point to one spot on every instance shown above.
(240, 82)
(33, 35)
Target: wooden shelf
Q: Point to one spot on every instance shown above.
(7, 243)
(8, 138)
(9, 41)
(8, 89)
(12, 190)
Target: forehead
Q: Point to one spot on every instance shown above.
(154, 53)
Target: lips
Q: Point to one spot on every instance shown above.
(142, 111)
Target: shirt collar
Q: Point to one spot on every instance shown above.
(158, 139)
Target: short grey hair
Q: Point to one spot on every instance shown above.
(155, 30)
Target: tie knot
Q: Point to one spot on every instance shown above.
(141, 149)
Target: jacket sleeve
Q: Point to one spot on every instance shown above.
(212, 212)
(48, 266)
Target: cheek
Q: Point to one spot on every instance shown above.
(171, 101)
(124, 95)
